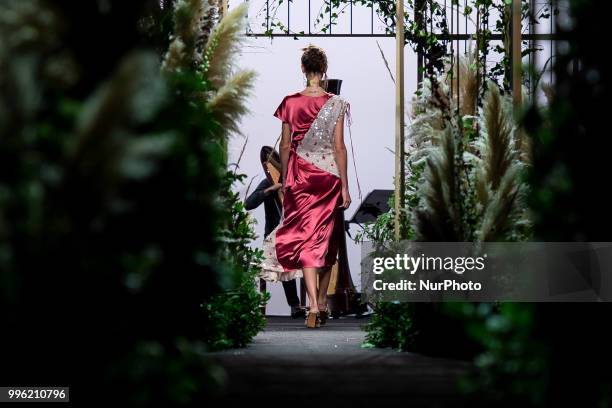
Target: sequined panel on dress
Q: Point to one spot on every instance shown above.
(317, 146)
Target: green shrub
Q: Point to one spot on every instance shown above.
(511, 367)
(427, 328)
(112, 216)
(234, 316)
(391, 326)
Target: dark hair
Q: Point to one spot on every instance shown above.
(314, 59)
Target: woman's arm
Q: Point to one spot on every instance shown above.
(341, 160)
(284, 147)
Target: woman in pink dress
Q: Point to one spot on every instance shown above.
(314, 186)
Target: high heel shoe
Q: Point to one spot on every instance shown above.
(313, 320)
(324, 315)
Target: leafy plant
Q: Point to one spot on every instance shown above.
(420, 327)
(234, 316)
(464, 174)
(110, 205)
(381, 230)
(510, 368)
(391, 326)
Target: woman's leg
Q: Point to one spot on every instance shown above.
(310, 278)
(324, 277)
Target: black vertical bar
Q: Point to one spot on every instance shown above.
(302, 293)
(262, 289)
(431, 18)
(484, 57)
(267, 15)
(466, 26)
(372, 18)
(458, 62)
(510, 74)
(530, 42)
(420, 23)
(351, 16)
(452, 50)
(446, 21)
(431, 30)
(532, 56)
(485, 28)
(552, 31)
(477, 57)
(330, 16)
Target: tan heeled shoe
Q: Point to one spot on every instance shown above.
(313, 320)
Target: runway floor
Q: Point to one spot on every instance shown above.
(288, 364)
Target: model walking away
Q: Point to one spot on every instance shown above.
(314, 186)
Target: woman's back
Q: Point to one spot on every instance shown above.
(300, 111)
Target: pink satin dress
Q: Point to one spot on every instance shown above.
(307, 236)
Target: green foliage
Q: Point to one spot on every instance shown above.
(107, 212)
(420, 327)
(464, 173)
(537, 355)
(114, 202)
(511, 368)
(180, 374)
(571, 152)
(234, 316)
(501, 71)
(391, 326)
(381, 230)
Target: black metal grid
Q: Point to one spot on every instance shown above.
(457, 24)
